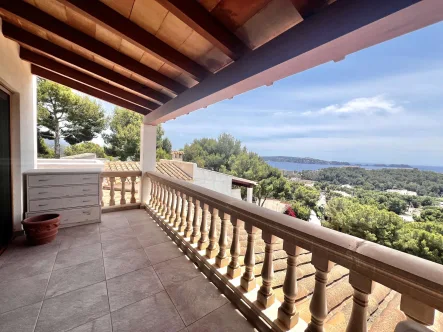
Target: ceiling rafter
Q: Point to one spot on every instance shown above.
(307, 8)
(126, 29)
(199, 19)
(26, 38)
(50, 75)
(40, 18)
(64, 70)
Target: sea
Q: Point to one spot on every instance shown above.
(312, 167)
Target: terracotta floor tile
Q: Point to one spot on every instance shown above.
(73, 309)
(125, 262)
(163, 252)
(155, 313)
(132, 287)
(75, 277)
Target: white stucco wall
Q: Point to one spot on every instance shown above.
(147, 157)
(213, 180)
(16, 77)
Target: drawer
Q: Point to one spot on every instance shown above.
(62, 203)
(72, 216)
(49, 192)
(61, 180)
(80, 201)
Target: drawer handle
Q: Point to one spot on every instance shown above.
(86, 201)
(42, 180)
(86, 189)
(43, 192)
(86, 178)
(87, 213)
(42, 204)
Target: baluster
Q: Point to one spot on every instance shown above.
(234, 269)
(164, 201)
(111, 192)
(204, 240)
(160, 199)
(133, 179)
(153, 202)
(182, 226)
(222, 258)
(195, 229)
(266, 295)
(101, 191)
(318, 305)
(178, 207)
(188, 229)
(211, 251)
(167, 213)
(123, 191)
(172, 207)
(167, 210)
(363, 286)
(419, 315)
(287, 313)
(158, 196)
(248, 279)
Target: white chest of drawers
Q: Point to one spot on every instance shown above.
(74, 194)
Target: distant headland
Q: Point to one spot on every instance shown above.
(313, 161)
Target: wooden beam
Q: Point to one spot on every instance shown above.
(199, 19)
(26, 38)
(38, 17)
(307, 8)
(50, 75)
(315, 41)
(125, 28)
(70, 72)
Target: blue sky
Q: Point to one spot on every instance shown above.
(383, 104)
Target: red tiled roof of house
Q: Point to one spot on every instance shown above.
(163, 166)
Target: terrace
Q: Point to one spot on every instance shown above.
(169, 254)
(125, 271)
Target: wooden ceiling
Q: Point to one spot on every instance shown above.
(139, 54)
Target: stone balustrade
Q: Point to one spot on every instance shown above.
(188, 213)
(125, 183)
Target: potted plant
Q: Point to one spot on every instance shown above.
(41, 229)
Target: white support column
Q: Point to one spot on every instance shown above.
(147, 157)
(249, 192)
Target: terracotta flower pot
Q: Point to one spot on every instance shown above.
(41, 229)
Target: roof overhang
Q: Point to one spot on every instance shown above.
(342, 28)
(166, 58)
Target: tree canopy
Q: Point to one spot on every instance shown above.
(225, 154)
(423, 182)
(123, 140)
(423, 239)
(62, 114)
(430, 214)
(85, 147)
(213, 154)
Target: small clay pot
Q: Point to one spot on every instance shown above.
(41, 229)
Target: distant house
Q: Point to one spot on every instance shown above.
(186, 171)
(402, 192)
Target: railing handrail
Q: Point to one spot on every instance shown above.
(404, 273)
(120, 173)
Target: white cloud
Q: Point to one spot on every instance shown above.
(365, 106)
(423, 82)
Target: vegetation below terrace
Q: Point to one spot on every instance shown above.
(370, 213)
(422, 182)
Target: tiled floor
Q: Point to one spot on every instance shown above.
(122, 275)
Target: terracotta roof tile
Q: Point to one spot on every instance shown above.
(170, 169)
(122, 166)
